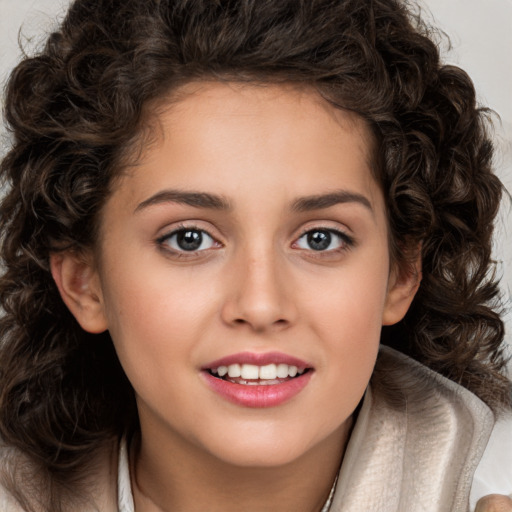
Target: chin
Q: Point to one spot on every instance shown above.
(261, 458)
(265, 449)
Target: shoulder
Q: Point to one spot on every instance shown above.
(97, 490)
(408, 386)
(416, 442)
(494, 473)
(10, 460)
(441, 415)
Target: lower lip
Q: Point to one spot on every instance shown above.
(258, 396)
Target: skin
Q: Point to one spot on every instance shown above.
(494, 503)
(256, 285)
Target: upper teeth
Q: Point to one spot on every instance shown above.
(252, 371)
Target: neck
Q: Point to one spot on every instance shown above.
(180, 477)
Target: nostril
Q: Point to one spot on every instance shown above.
(280, 323)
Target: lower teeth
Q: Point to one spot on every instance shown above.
(262, 382)
(255, 382)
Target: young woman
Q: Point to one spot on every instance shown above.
(220, 216)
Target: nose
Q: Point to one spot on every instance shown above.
(258, 295)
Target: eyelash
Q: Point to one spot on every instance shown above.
(346, 241)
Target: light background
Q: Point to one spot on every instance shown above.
(481, 37)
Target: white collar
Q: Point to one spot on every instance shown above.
(124, 487)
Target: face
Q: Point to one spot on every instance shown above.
(244, 273)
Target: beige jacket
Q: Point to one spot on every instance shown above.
(414, 448)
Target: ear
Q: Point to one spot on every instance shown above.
(402, 287)
(80, 289)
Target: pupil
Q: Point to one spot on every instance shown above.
(319, 240)
(189, 240)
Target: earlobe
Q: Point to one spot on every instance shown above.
(79, 287)
(402, 288)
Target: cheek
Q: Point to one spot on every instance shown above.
(156, 319)
(149, 298)
(351, 302)
(351, 311)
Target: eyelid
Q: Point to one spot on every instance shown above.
(189, 224)
(325, 225)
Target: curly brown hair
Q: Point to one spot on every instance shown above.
(76, 109)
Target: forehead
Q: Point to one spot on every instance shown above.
(236, 139)
(263, 108)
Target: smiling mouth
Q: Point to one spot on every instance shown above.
(258, 380)
(254, 375)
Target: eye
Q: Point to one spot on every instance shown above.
(188, 240)
(323, 240)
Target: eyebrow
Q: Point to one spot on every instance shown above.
(318, 202)
(196, 199)
(216, 202)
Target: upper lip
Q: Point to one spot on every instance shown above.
(257, 359)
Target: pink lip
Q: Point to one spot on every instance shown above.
(258, 360)
(257, 396)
